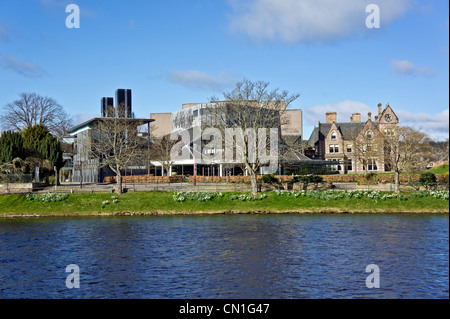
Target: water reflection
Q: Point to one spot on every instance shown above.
(256, 256)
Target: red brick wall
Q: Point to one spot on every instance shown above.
(380, 178)
(146, 179)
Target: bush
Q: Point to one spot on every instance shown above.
(196, 196)
(104, 203)
(46, 198)
(307, 179)
(427, 178)
(371, 176)
(446, 177)
(269, 178)
(250, 198)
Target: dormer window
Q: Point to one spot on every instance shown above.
(333, 136)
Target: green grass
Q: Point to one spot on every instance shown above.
(439, 170)
(162, 202)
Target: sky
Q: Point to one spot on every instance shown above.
(171, 52)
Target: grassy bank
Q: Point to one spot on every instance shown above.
(164, 203)
(439, 170)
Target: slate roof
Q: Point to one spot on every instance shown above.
(345, 128)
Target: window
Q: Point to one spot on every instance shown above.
(349, 148)
(338, 163)
(367, 148)
(210, 150)
(372, 165)
(196, 113)
(349, 166)
(333, 136)
(334, 148)
(369, 135)
(389, 132)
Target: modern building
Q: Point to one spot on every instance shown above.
(196, 115)
(123, 103)
(107, 107)
(88, 168)
(357, 147)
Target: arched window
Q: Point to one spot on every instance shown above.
(333, 136)
(369, 135)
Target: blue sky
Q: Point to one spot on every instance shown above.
(173, 52)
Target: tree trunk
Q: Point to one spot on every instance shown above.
(397, 181)
(254, 183)
(119, 184)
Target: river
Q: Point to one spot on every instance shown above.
(226, 256)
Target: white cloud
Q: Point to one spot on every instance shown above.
(199, 80)
(23, 68)
(295, 21)
(435, 125)
(405, 67)
(344, 111)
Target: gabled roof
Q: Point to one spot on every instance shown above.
(388, 108)
(345, 128)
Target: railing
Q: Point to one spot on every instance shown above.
(428, 186)
(16, 178)
(203, 186)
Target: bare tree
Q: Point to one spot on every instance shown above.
(250, 108)
(409, 151)
(367, 144)
(161, 152)
(115, 141)
(415, 150)
(32, 109)
(440, 150)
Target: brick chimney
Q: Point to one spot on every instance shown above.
(380, 110)
(331, 117)
(356, 117)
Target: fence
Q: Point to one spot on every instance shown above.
(206, 184)
(16, 178)
(235, 187)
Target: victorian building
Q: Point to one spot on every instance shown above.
(357, 147)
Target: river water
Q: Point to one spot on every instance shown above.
(226, 256)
